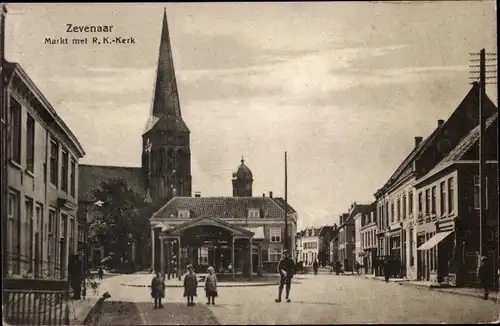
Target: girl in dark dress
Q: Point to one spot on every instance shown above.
(190, 285)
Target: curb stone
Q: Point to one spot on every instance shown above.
(201, 286)
(443, 290)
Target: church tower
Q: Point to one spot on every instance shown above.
(166, 155)
(242, 181)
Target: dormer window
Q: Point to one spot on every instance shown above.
(183, 213)
(253, 213)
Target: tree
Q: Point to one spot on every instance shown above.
(119, 220)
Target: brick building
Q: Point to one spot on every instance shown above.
(398, 206)
(448, 228)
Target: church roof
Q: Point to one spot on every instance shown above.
(243, 171)
(91, 176)
(221, 207)
(165, 109)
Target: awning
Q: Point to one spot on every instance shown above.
(432, 242)
(258, 232)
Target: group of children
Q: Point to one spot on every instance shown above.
(190, 287)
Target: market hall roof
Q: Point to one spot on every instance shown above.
(221, 207)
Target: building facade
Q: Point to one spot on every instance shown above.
(368, 239)
(448, 230)
(42, 179)
(397, 203)
(235, 235)
(4, 188)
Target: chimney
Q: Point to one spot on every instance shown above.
(270, 194)
(418, 140)
(440, 123)
(197, 194)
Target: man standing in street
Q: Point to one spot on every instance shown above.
(286, 269)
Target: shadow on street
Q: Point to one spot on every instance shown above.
(143, 313)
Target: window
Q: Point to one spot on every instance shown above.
(427, 201)
(72, 236)
(442, 198)
(275, 234)
(410, 202)
(54, 162)
(72, 181)
(14, 234)
(64, 171)
(29, 232)
(183, 213)
(30, 144)
(433, 200)
(15, 131)
(203, 256)
(51, 237)
(399, 209)
(404, 206)
(411, 248)
(477, 193)
(392, 212)
(253, 213)
(451, 195)
(420, 203)
(274, 254)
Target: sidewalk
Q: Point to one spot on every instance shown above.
(144, 280)
(468, 292)
(445, 288)
(78, 309)
(381, 278)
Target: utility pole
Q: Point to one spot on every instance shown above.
(286, 204)
(4, 189)
(485, 227)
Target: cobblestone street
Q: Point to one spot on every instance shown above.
(322, 299)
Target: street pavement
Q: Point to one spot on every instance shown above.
(320, 299)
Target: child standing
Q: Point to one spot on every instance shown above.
(190, 285)
(211, 285)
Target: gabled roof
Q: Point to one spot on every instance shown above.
(13, 68)
(355, 210)
(221, 207)
(463, 146)
(281, 202)
(324, 230)
(469, 101)
(91, 176)
(204, 220)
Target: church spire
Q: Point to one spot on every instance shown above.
(165, 108)
(166, 97)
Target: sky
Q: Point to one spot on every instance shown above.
(343, 87)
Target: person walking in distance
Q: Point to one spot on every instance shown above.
(211, 285)
(158, 289)
(315, 267)
(485, 276)
(286, 269)
(386, 270)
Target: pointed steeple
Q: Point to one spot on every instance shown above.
(165, 109)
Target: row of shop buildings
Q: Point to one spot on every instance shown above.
(425, 218)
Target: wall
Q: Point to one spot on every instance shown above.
(33, 185)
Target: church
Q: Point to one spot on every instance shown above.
(237, 235)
